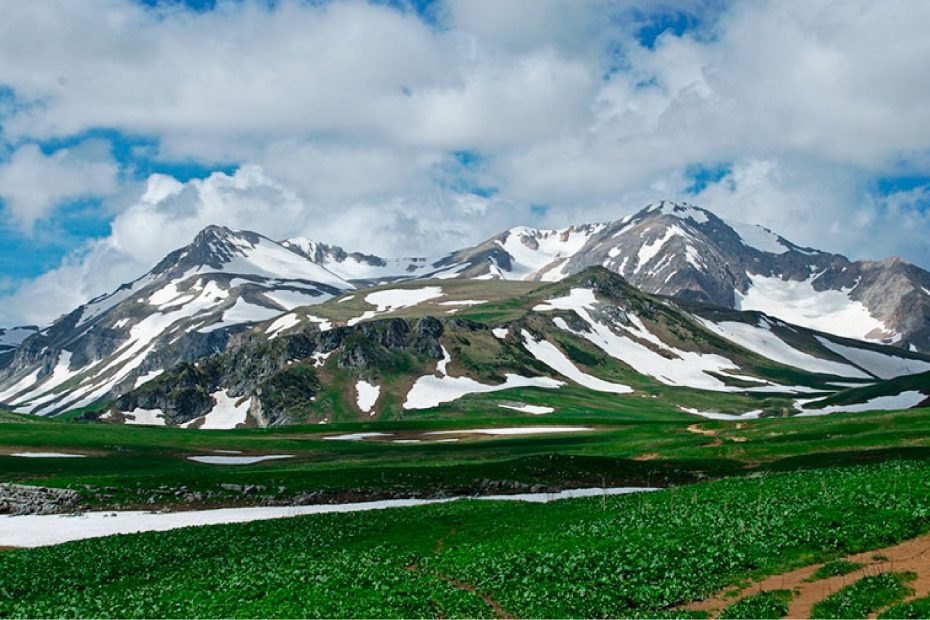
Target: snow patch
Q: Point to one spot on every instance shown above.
(524, 408)
(394, 299)
(904, 400)
(366, 395)
(796, 301)
(881, 365)
(213, 459)
(551, 356)
(148, 417)
(758, 238)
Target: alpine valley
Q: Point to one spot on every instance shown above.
(671, 305)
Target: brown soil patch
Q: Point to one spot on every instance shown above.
(714, 442)
(909, 556)
(648, 456)
(2, 548)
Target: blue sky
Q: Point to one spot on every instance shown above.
(413, 127)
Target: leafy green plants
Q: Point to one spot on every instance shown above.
(834, 568)
(864, 597)
(770, 604)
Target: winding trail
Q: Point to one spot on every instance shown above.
(910, 556)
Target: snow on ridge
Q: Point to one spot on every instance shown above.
(797, 302)
(551, 356)
(431, 390)
(551, 245)
(761, 340)
(648, 251)
(393, 299)
(684, 368)
(882, 365)
(903, 400)
(758, 238)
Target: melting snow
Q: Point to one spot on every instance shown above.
(760, 339)
(431, 391)
(712, 415)
(516, 430)
(394, 299)
(356, 436)
(758, 237)
(48, 455)
(366, 395)
(149, 417)
(524, 408)
(684, 368)
(41, 530)
(551, 356)
(213, 459)
(796, 301)
(881, 365)
(904, 400)
(648, 251)
(225, 414)
(282, 323)
(499, 332)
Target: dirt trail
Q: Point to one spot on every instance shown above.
(715, 441)
(499, 611)
(909, 556)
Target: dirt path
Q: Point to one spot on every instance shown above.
(499, 611)
(7, 548)
(912, 555)
(715, 441)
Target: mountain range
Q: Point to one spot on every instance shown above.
(236, 328)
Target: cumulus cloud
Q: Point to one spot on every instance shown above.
(368, 126)
(33, 183)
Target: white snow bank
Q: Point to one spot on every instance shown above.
(524, 408)
(48, 455)
(366, 395)
(760, 339)
(516, 430)
(551, 356)
(627, 344)
(713, 415)
(904, 400)
(42, 530)
(213, 459)
(356, 436)
(758, 237)
(396, 298)
(796, 301)
(499, 332)
(431, 391)
(149, 417)
(226, 414)
(881, 365)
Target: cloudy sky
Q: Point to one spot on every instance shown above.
(414, 127)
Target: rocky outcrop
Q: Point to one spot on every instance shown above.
(21, 499)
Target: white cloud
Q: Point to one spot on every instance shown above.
(32, 183)
(353, 108)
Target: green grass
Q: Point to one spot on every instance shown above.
(623, 556)
(771, 604)
(128, 466)
(866, 596)
(835, 568)
(919, 608)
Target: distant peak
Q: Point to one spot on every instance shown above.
(680, 210)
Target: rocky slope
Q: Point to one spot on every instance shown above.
(185, 308)
(590, 333)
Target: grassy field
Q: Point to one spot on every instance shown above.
(141, 466)
(624, 556)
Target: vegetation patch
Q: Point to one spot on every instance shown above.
(835, 568)
(864, 597)
(770, 604)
